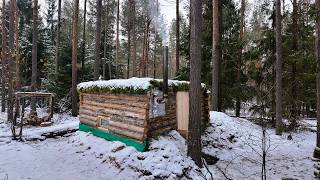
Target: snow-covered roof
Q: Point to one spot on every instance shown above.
(132, 85)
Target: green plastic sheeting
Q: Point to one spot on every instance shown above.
(112, 137)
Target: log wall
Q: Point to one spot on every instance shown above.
(128, 115)
(120, 114)
(163, 124)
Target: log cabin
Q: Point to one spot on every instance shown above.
(134, 110)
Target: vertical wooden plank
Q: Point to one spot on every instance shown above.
(50, 106)
(182, 110)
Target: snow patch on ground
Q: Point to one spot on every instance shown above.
(84, 156)
(61, 122)
(237, 143)
(80, 155)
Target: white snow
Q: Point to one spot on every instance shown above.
(240, 157)
(61, 122)
(81, 155)
(135, 83)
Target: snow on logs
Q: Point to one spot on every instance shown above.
(132, 108)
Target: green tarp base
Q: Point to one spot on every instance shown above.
(112, 137)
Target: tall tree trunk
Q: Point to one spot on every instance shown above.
(97, 62)
(147, 48)
(74, 57)
(317, 44)
(129, 38)
(293, 65)
(145, 52)
(195, 92)
(117, 39)
(106, 14)
(18, 84)
(34, 52)
(143, 60)
(216, 56)
(134, 39)
(278, 69)
(242, 26)
(177, 37)
(58, 41)
(83, 45)
(11, 61)
(155, 41)
(4, 57)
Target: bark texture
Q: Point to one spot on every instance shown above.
(83, 53)
(10, 68)
(279, 63)
(74, 57)
(117, 39)
(194, 139)
(216, 55)
(318, 68)
(3, 58)
(177, 37)
(97, 62)
(58, 40)
(34, 52)
(242, 26)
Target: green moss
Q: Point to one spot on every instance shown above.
(124, 90)
(154, 84)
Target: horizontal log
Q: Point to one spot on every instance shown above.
(116, 118)
(161, 131)
(91, 118)
(156, 127)
(33, 94)
(124, 107)
(143, 105)
(125, 126)
(106, 111)
(121, 132)
(86, 112)
(126, 97)
(88, 122)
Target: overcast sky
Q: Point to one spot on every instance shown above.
(167, 7)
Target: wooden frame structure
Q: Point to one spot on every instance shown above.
(23, 95)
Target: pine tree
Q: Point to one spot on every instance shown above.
(177, 37)
(83, 44)
(34, 52)
(117, 40)
(194, 136)
(216, 56)
(278, 69)
(97, 62)
(11, 60)
(74, 57)
(58, 40)
(134, 39)
(17, 51)
(242, 26)
(3, 58)
(317, 47)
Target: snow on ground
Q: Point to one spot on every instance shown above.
(61, 122)
(81, 155)
(237, 143)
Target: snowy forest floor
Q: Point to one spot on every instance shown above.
(235, 142)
